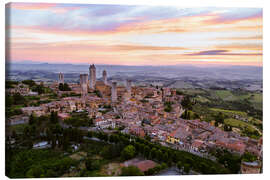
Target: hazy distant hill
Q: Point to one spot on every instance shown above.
(215, 72)
(172, 76)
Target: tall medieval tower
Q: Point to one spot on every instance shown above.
(83, 84)
(61, 78)
(114, 92)
(92, 74)
(104, 77)
(128, 87)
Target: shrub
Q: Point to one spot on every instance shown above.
(131, 171)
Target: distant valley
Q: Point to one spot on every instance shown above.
(229, 77)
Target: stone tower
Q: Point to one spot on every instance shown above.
(114, 92)
(92, 76)
(61, 78)
(104, 77)
(128, 86)
(84, 84)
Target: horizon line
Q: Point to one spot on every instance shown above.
(182, 64)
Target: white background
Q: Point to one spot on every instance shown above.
(181, 3)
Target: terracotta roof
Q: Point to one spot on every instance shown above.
(180, 133)
(63, 115)
(240, 147)
(197, 143)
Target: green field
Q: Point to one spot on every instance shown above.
(254, 98)
(201, 99)
(225, 95)
(257, 100)
(244, 104)
(193, 92)
(230, 112)
(239, 124)
(181, 84)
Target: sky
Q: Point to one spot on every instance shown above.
(134, 35)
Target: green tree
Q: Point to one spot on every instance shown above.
(248, 157)
(131, 171)
(188, 115)
(50, 173)
(35, 172)
(30, 83)
(153, 153)
(229, 160)
(184, 115)
(39, 88)
(165, 156)
(186, 168)
(66, 87)
(128, 152)
(9, 101)
(164, 165)
(18, 98)
(186, 103)
(32, 119)
(146, 151)
(180, 165)
(61, 87)
(92, 164)
(160, 155)
(54, 117)
(220, 118)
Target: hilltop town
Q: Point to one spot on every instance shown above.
(162, 116)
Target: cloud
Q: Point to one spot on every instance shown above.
(222, 52)
(135, 34)
(244, 46)
(31, 6)
(254, 37)
(236, 15)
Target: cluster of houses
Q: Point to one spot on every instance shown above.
(21, 88)
(143, 114)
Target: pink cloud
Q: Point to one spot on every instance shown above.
(32, 6)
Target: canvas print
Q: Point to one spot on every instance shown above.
(121, 90)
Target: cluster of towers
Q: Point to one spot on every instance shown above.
(92, 82)
(88, 81)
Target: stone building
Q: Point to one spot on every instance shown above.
(61, 78)
(128, 87)
(250, 167)
(84, 84)
(104, 89)
(92, 76)
(104, 77)
(114, 92)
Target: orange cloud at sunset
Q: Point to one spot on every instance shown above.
(135, 35)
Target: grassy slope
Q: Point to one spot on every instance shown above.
(230, 112)
(225, 95)
(238, 123)
(257, 100)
